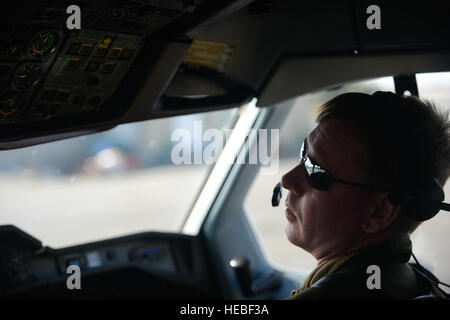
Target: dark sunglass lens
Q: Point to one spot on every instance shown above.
(320, 180)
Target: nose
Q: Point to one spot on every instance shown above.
(294, 180)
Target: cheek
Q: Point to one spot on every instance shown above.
(318, 220)
(355, 207)
(315, 214)
(326, 214)
(346, 212)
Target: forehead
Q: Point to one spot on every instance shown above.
(338, 147)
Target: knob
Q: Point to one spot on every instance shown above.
(241, 266)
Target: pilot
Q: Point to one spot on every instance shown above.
(361, 188)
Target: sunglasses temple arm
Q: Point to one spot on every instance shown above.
(360, 185)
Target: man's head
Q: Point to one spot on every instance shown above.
(384, 140)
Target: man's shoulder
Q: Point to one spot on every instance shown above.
(396, 281)
(341, 286)
(380, 271)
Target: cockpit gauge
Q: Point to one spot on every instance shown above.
(10, 104)
(26, 75)
(43, 43)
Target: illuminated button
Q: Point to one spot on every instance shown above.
(92, 66)
(73, 48)
(100, 51)
(127, 54)
(72, 64)
(49, 94)
(85, 49)
(108, 67)
(62, 95)
(115, 53)
(94, 259)
(107, 40)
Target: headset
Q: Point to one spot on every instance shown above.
(420, 204)
(423, 204)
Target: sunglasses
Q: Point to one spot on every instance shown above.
(319, 177)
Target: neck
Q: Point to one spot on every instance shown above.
(332, 253)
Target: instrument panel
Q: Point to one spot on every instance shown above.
(154, 255)
(54, 79)
(44, 85)
(147, 265)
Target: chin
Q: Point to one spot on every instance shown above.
(292, 236)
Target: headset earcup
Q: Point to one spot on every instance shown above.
(424, 206)
(417, 210)
(409, 205)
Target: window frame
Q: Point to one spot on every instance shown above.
(228, 213)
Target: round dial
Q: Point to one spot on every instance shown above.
(43, 43)
(26, 75)
(10, 105)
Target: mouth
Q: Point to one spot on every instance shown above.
(290, 216)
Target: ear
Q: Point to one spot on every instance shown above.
(382, 215)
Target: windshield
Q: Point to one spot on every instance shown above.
(105, 185)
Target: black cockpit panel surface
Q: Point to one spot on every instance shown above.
(142, 266)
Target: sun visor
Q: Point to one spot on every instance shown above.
(296, 75)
